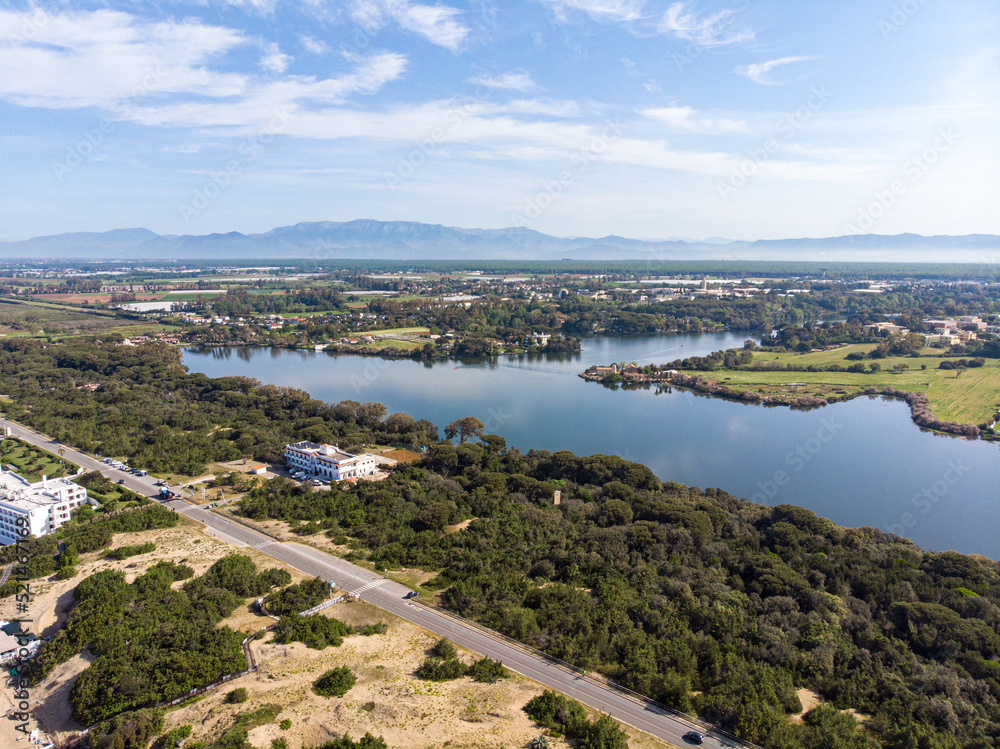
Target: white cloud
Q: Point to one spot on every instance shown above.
(710, 30)
(291, 96)
(274, 61)
(685, 118)
(436, 23)
(314, 46)
(264, 7)
(613, 11)
(542, 107)
(510, 81)
(758, 73)
(159, 73)
(78, 59)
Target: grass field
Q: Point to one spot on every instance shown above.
(313, 314)
(32, 463)
(971, 397)
(378, 345)
(397, 331)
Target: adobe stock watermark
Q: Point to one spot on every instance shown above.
(551, 190)
(914, 168)
(93, 138)
(796, 460)
(786, 127)
(374, 368)
(246, 153)
(495, 418)
(429, 147)
(899, 17)
(928, 497)
(32, 25)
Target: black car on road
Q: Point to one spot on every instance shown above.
(693, 737)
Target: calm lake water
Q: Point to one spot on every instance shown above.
(859, 463)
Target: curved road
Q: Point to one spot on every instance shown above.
(388, 595)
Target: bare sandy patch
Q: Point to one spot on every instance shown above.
(388, 699)
(459, 526)
(809, 700)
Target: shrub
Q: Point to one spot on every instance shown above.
(123, 552)
(441, 669)
(315, 631)
(170, 738)
(285, 724)
(237, 696)
(334, 683)
(488, 671)
(444, 650)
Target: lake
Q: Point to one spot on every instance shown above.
(859, 463)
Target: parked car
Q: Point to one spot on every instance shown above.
(121, 481)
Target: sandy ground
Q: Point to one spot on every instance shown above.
(388, 699)
(811, 699)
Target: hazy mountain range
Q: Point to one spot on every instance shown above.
(409, 240)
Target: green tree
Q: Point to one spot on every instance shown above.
(334, 683)
(467, 426)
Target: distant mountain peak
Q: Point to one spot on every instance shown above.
(413, 240)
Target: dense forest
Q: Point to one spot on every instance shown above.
(698, 599)
(150, 410)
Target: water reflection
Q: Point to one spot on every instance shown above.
(873, 471)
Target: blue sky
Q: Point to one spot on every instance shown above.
(745, 119)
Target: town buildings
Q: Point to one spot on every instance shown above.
(39, 508)
(328, 461)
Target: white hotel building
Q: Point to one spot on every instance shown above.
(44, 506)
(328, 461)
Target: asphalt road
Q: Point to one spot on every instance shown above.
(388, 595)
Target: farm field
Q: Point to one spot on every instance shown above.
(88, 298)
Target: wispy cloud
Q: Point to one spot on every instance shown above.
(613, 11)
(263, 7)
(546, 107)
(437, 23)
(314, 46)
(520, 81)
(758, 73)
(711, 30)
(293, 95)
(687, 119)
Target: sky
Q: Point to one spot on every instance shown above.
(747, 119)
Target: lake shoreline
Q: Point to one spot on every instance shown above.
(920, 412)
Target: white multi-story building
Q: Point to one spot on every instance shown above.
(328, 461)
(43, 506)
